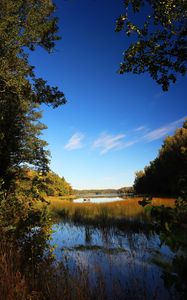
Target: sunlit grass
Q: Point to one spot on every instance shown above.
(101, 211)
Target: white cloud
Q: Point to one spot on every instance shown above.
(108, 142)
(162, 131)
(75, 142)
(129, 143)
(140, 128)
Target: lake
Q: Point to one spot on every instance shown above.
(98, 199)
(126, 260)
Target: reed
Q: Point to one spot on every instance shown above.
(56, 282)
(103, 213)
(13, 283)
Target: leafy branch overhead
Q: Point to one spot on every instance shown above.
(25, 25)
(159, 44)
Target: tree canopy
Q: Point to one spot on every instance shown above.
(24, 25)
(167, 174)
(159, 39)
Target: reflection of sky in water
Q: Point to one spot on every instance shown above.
(98, 200)
(121, 256)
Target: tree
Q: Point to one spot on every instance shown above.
(20, 141)
(24, 25)
(159, 45)
(50, 185)
(167, 174)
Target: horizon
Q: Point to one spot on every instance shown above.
(112, 125)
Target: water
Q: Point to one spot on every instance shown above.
(98, 199)
(117, 256)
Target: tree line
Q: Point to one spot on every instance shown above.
(95, 192)
(167, 173)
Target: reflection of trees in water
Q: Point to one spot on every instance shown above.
(37, 259)
(35, 248)
(88, 235)
(171, 225)
(25, 262)
(175, 272)
(140, 247)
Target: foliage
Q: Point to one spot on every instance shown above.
(167, 174)
(96, 192)
(56, 186)
(22, 209)
(20, 142)
(126, 190)
(171, 224)
(159, 39)
(48, 184)
(24, 25)
(24, 218)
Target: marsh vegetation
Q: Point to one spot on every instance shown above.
(99, 213)
(108, 251)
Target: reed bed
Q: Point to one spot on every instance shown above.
(98, 213)
(55, 282)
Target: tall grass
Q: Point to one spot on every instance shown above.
(57, 282)
(13, 284)
(102, 213)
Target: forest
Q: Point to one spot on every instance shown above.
(166, 175)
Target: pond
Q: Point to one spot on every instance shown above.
(98, 199)
(127, 261)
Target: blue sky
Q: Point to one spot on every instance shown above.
(112, 125)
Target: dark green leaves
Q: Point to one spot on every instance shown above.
(46, 94)
(159, 40)
(24, 24)
(167, 174)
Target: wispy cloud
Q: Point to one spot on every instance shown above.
(108, 142)
(129, 143)
(140, 128)
(162, 131)
(75, 142)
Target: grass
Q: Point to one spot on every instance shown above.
(13, 283)
(56, 282)
(103, 213)
(51, 282)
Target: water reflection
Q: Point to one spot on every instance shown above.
(121, 257)
(98, 199)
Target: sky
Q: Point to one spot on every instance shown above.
(112, 125)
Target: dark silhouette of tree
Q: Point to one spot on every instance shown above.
(167, 174)
(159, 40)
